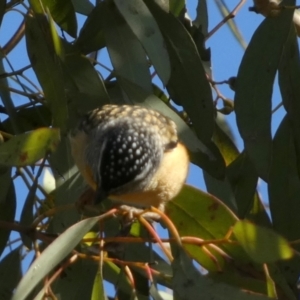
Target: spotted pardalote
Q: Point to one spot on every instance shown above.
(130, 154)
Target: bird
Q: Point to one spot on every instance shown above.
(130, 154)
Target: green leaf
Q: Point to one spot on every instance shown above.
(62, 12)
(83, 6)
(98, 288)
(25, 149)
(91, 36)
(201, 20)
(69, 186)
(47, 67)
(176, 6)
(284, 183)
(289, 79)
(263, 245)
(188, 282)
(243, 179)
(52, 255)
(26, 218)
(196, 213)
(126, 52)
(7, 204)
(29, 119)
(188, 85)
(2, 9)
(10, 273)
(221, 188)
(271, 286)
(254, 88)
(77, 282)
(86, 88)
(144, 26)
(113, 274)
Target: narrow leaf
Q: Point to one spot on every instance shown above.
(83, 6)
(47, 67)
(196, 213)
(263, 245)
(7, 204)
(10, 273)
(188, 282)
(62, 12)
(144, 26)
(126, 52)
(289, 83)
(254, 88)
(52, 255)
(188, 85)
(98, 292)
(25, 149)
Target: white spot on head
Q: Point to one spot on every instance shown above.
(138, 152)
(133, 145)
(120, 151)
(124, 146)
(129, 138)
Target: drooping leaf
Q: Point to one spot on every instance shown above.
(254, 88)
(26, 218)
(98, 288)
(221, 187)
(284, 186)
(83, 6)
(284, 193)
(29, 119)
(91, 36)
(69, 186)
(176, 6)
(188, 85)
(201, 20)
(243, 179)
(52, 255)
(145, 27)
(289, 78)
(47, 67)
(86, 88)
(10, 273)
(77, 282)
(271, 286)
(189, 282)
(25, 149)
(7, 203)
(224, 10)
(126, 52)
(196, 213)
(263, 245)
(62, 12)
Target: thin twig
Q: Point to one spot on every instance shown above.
(231, 15)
